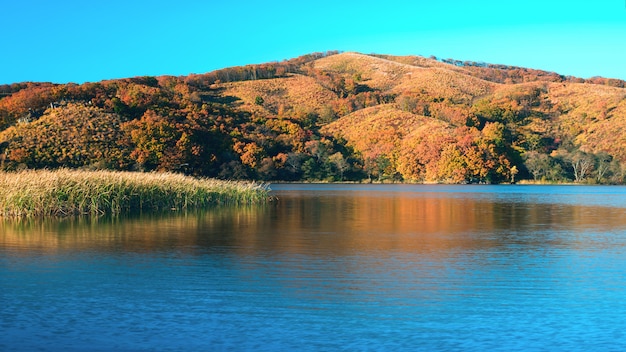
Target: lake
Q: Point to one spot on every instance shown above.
(326, 268)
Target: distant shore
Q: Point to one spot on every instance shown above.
(64, 192)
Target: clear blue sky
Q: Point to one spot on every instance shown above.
(77, 41)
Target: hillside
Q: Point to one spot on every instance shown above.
(328, 116)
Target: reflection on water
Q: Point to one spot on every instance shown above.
(328, 267)
(340, 223)
(145, 233)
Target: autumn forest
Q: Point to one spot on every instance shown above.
(328, 117)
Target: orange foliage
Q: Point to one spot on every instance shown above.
(324, 116)
(71, 136)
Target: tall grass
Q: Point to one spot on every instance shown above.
(64, 192)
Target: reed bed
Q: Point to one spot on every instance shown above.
(58, 193)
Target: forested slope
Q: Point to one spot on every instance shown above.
(331, 117)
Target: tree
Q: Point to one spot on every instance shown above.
(267, 169)
(311, 170)
(233, 170)
(603, 165)
(318, 149)
(452, 166)
(582, 163)
(617, 172)
(379, 167)
(514, 172)
(327, 114)
(249, 153)
(420, 151)
(538, 164)
(340, 163)
(294, 162)
(153, 136)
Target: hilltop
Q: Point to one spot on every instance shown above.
(328, 116)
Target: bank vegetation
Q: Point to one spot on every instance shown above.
(64, 192)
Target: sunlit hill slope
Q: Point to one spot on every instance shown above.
(328, 117)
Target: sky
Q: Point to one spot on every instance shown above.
(88, 41)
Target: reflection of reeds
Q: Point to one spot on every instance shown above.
(72, 192)
(133, 232)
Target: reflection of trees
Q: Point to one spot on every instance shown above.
(432, 224)
(427, 224)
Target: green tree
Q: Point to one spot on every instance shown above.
(340, 163)
(311, 170)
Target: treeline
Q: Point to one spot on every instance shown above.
(254, 72)
(211, 141)
(490, 155)
(514, 74)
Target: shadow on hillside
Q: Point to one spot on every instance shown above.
(215, 96)
(363, 88)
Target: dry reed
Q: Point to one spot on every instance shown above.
(64, 192)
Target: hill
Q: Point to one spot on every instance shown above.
(328, 116)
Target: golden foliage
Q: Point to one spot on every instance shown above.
(289, 93)
(325, 116)
(73, 135)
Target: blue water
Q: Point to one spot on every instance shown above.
(329, 267)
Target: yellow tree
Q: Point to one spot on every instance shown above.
(452, 166)
(152, 136)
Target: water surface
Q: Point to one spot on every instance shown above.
(329, 267)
